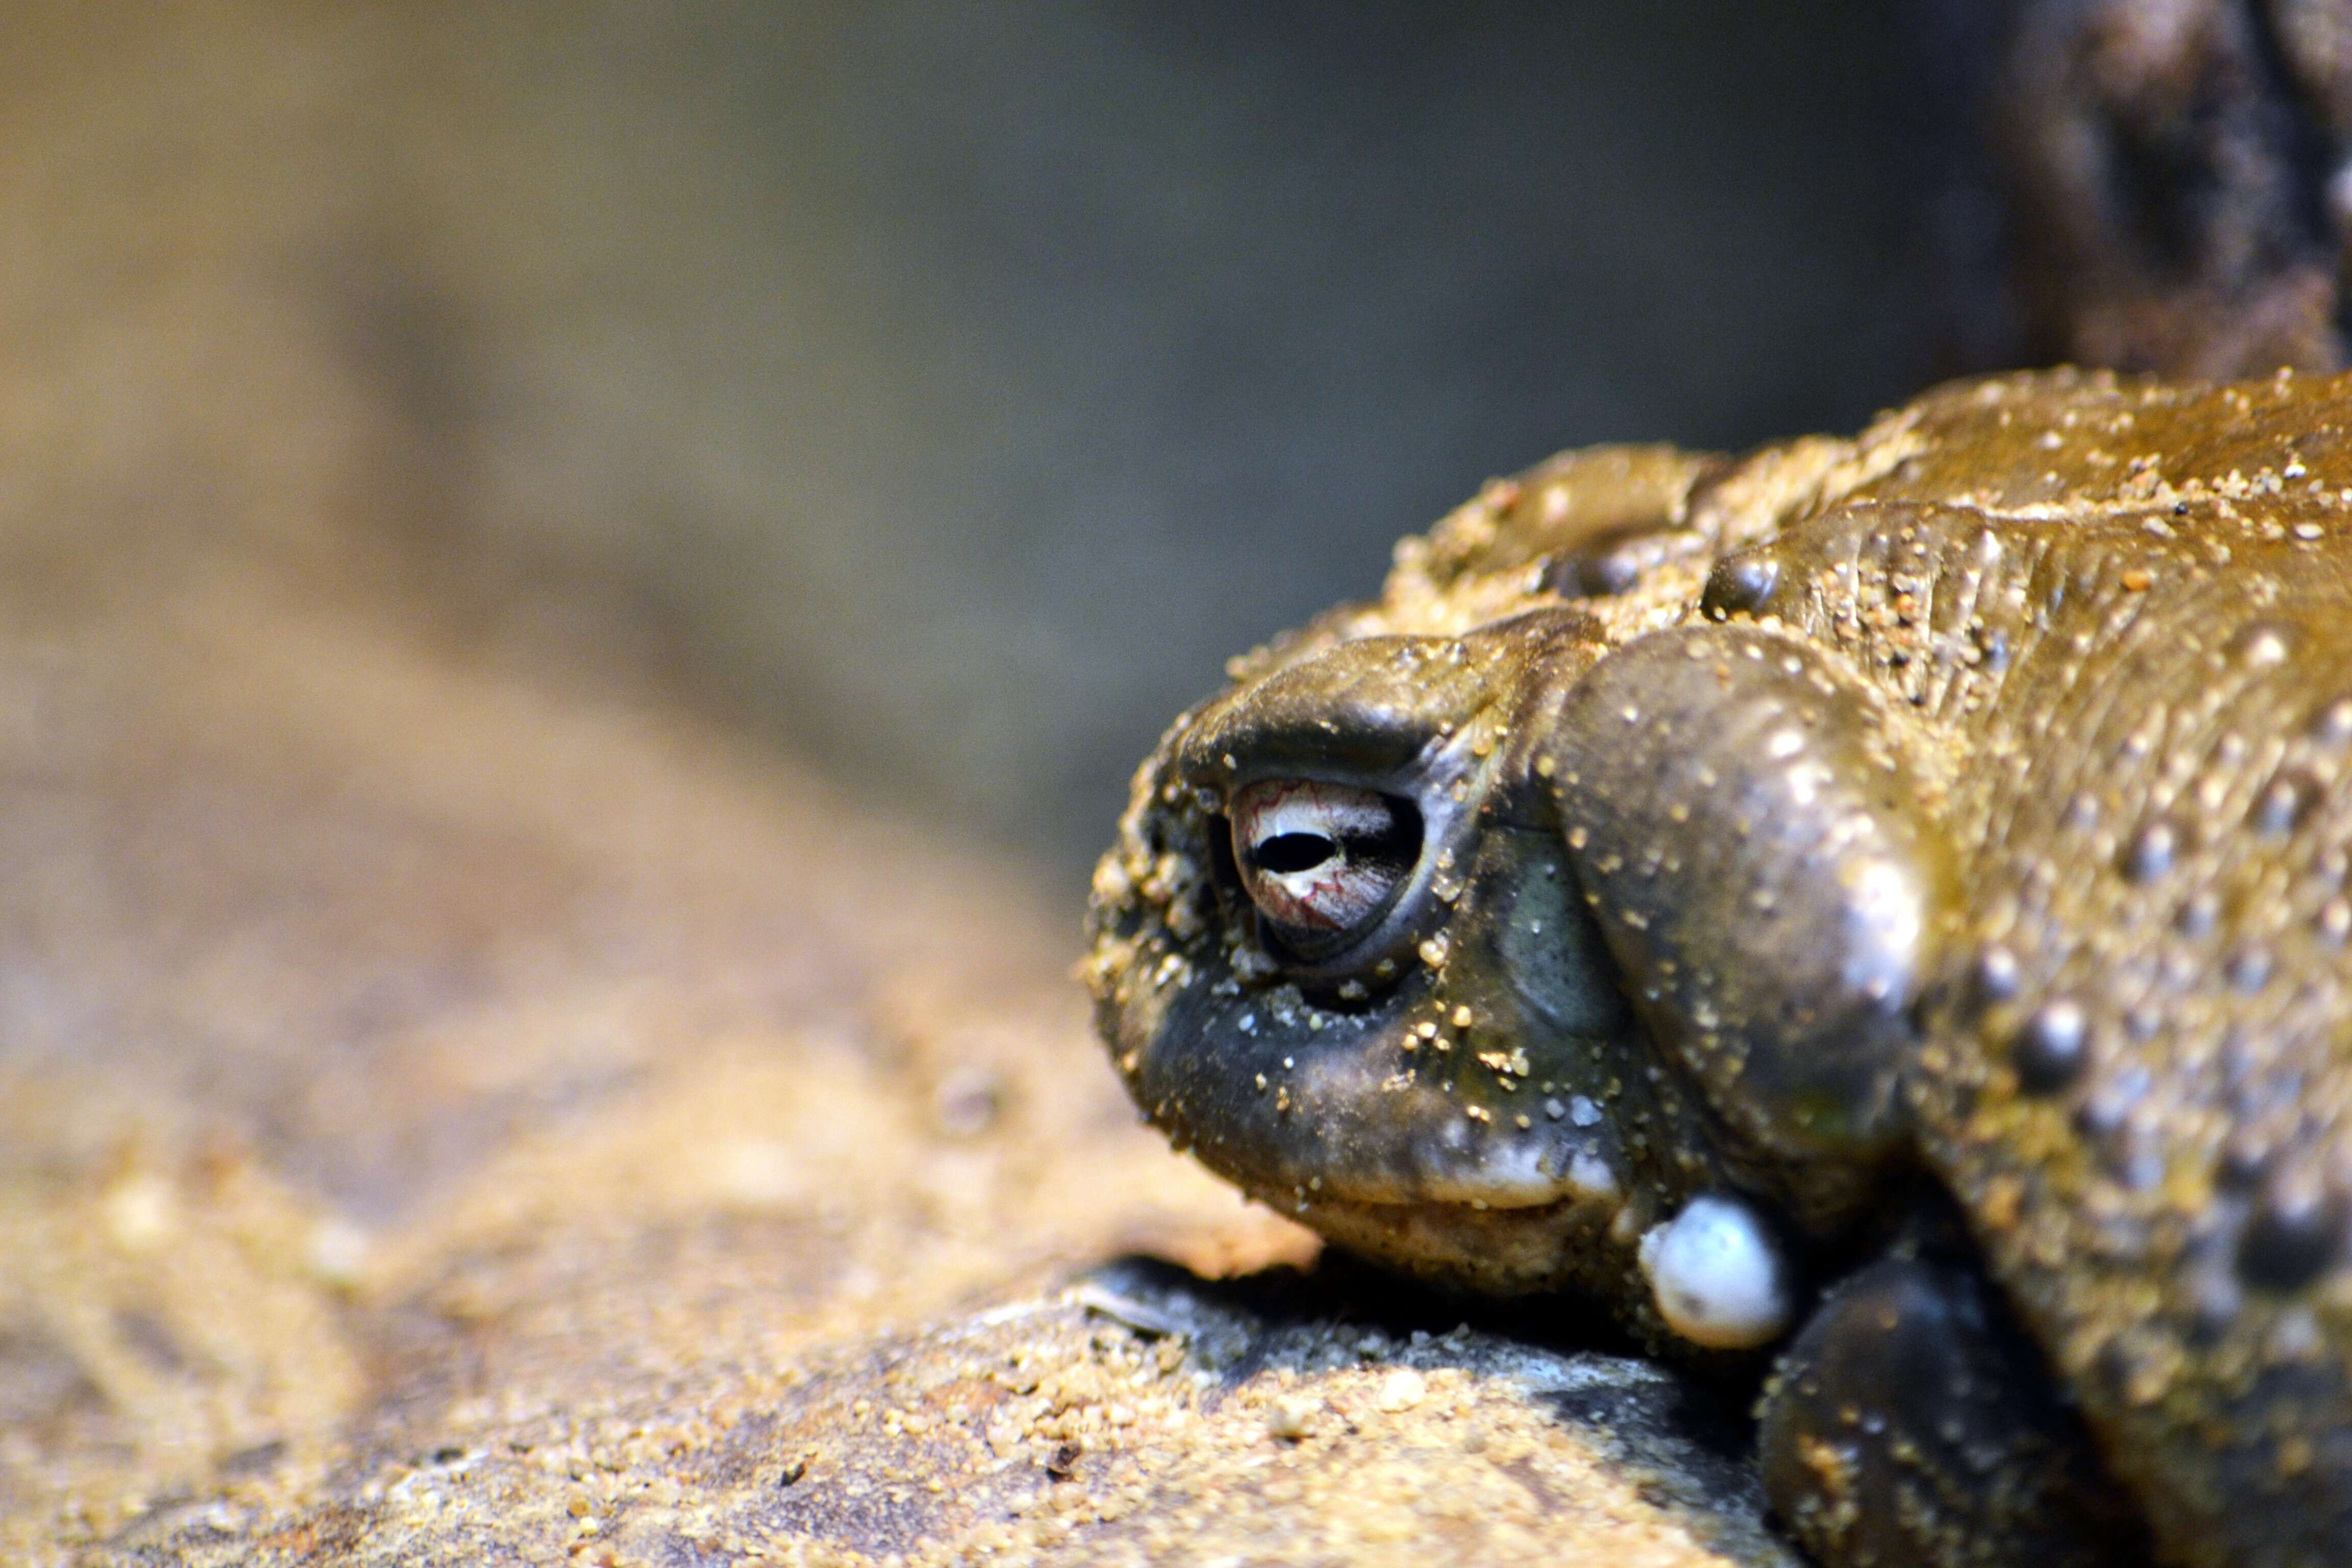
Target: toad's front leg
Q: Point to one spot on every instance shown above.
(1911, 1425)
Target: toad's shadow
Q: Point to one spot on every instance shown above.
(1342, 1312)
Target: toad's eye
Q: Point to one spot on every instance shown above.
(1322, 861)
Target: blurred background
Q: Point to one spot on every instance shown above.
(941, 390)
(463, 465)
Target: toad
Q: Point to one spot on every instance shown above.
(1872, 915)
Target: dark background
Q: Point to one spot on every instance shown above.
(1154, 325)
(950, 387)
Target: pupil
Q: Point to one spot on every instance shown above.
(1287, 852)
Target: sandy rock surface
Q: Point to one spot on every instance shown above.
(454, 1109)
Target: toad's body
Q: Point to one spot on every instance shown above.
(1883, 901)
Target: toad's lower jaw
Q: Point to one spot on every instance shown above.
(1462, 1162)
(1408, 1142)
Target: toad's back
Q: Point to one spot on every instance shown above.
(2137, 1068)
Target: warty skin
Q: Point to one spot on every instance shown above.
(1932, 845)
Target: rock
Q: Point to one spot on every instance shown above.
(454, 1109)
(1140, 1417)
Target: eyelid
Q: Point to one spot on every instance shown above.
(1360, 712)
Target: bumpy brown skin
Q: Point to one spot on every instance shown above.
(2065, 666)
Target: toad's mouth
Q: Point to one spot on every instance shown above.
(1409, 1172)
(1413, 1141)
(1364, 1111)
